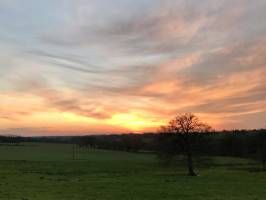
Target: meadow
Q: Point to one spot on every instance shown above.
(43, 171)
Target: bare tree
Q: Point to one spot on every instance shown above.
(186, 126)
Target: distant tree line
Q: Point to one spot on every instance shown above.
(167, 144)
(12, 140)
(236, 143)
(123, 142)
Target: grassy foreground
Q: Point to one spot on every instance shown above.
(47, 172)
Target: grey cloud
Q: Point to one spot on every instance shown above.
(73, 62)
(227, 61)
(110, 78)
(139, 34)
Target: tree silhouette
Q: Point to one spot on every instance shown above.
(187, 127)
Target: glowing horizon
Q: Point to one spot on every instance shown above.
(90, 67)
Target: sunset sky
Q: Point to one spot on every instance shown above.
(98, 66)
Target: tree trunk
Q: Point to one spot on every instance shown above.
(190, 165)
(263, 165)
(189, 160)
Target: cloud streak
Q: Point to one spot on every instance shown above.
(131, 65)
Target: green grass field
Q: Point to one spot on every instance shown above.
(48, 172)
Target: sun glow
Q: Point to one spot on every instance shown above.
(132, 121)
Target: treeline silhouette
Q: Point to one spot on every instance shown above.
(12, 140)
(236, 143)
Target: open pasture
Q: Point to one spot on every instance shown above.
(40, 171)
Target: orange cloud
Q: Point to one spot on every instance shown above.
(136, 71)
